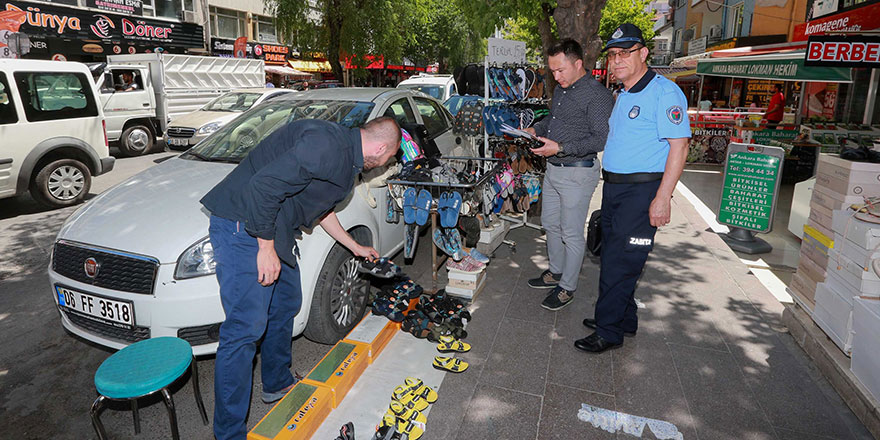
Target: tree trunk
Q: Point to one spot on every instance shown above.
(334, 35)
(547, 41)
(579, 20)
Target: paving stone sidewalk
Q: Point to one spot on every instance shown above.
(711, 355)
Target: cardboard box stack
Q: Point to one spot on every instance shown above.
(465, 284)
(851, 243)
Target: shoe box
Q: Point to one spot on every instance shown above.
(820, 218)
(815, 245)
(812, 266)
(854, 275)
(847, 178)
(864, 234)
(833, 314)
(465, 280)
(295, 417)
(826, 198)
(468, 293)
(490, 239)
(811, 269)
(865, 356)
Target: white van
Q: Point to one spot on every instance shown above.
(52, 133)
(437, 86)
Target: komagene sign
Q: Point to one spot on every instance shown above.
(843, 51)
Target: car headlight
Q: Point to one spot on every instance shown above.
(197, 261)
(210, 128)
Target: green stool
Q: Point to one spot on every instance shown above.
(141, 369)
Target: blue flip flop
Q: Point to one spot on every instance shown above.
(409, 206)
(449, 215)
(443, 203)
(423, 207)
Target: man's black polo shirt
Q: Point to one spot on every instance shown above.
(290, 180)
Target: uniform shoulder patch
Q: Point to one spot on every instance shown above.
(675, 114)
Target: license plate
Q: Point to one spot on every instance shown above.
(96, 307)
(178, 141)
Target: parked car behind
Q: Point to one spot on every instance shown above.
(434, 85)
(137, 262)
(53, 138)
(189, 129)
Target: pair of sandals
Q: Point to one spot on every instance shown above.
(450, 242)
(417, 206)
(393, 301)
(380, 267)
(449, 207)
(450, 364)
(404, 414)
(448, 344)
(419, 325)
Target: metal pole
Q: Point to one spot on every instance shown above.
(700, 93)
(872, 97)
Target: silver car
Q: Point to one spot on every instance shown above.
(136, 261)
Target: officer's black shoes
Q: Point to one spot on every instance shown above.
(591, 323)
(595, 344)
(557, 299)
(546, 280)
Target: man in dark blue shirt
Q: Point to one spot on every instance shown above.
(291, 179)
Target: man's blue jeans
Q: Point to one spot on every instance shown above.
(252, 310)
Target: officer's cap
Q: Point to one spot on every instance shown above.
(625, 36)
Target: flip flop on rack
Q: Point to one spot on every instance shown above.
(423, 207)
(409, 205)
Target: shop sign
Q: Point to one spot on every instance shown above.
(600, 72)
(729, 44)
(751, 182)
(708, 143)
(791, 69)
(864, 18)
(764, 137)
(506, 51)
(126, 7)
(104, 30)
(272, 54)
(698, 45)
(843, 51)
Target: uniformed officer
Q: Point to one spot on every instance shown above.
(644, 156)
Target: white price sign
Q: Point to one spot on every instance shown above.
(506, 51)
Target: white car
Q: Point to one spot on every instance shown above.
(136, 261)
(434, 85)
(189, 129)
(53, 138)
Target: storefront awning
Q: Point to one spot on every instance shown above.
(311, 66)
(677, 73)
(785, 66)
(287, 71)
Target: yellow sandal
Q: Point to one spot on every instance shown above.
(413, 401)
(453, 345)
(415, 387)
(452, 365)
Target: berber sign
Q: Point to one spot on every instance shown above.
(843, 51)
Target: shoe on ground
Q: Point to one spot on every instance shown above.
(595, 344)
(278, 395)
(546, 280)
(557, 299)
(591, 323)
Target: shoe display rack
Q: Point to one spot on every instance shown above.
(471, 193)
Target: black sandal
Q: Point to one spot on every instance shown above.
(381, 267)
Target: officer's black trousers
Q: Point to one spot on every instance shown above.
(627, 238)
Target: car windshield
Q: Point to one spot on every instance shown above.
(232, 102)
(235, 140)
(432, 91)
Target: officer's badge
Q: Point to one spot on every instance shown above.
(634, 112)
(675, 114)
(618, 33)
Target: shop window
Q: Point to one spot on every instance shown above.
(401, 111)
(226, 23)
(163, 8)
(264, 29)
(735, 21)
(433, 116)
(49, 96)
(7, 105)
(189, 5)
(677, 40)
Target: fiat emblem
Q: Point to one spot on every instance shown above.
(91, 267)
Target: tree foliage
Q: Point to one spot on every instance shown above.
(338, 27)
(439, 33)
(616, 12)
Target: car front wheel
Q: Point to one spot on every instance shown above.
(340, 299)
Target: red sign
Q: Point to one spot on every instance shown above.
(843, 51)
(600, 72)
(240, 47)
(861, 19)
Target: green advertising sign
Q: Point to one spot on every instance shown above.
(751, 180)
(763, 137)
(782, 68)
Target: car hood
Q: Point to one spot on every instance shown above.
(199, 118)
(155, 213)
